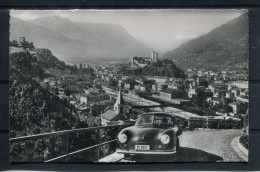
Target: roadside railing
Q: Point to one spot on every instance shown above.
(214, 124)
(65, 142)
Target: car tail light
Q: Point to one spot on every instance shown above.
(122, 138)
(165, 139)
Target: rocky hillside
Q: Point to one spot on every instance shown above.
(33, 109)
(69, 39)
(223, 47)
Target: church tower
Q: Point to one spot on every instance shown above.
(118, 106)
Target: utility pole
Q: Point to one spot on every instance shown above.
(51, 104)
(225, 123)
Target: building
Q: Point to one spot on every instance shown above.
(144, 88)
(120, 84)
(154, 56)
(236, 107)
(238, 84)
(172, 86)
(154, 87)
(230, 95)
(166, 94)
(79, 66)
(162, 87)
(191, 92)
(83, 99)
(81, 106)
(181, 101)
(21, 41)
(244, 93)
(236, 91)
(158, 79)
(216, 100)
(243, 99)
(117, 114)
(73, 100)
(128, 85)
(144, 61)
(137, 87)
(140, 61)
(61, 91)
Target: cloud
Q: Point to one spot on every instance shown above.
(185, 36)
(25, 15)
(31, 14)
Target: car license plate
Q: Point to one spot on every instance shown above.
(142, 147)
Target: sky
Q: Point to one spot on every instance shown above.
(162, 30)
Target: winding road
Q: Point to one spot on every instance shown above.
(196, 146)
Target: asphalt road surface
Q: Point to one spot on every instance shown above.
(198, 146)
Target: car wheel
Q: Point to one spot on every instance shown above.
(174, 157)
(177, 144)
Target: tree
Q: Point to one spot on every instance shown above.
(22, 62)
(201, 96)
(112, 83)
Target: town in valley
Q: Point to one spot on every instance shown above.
(92, 86)
(106, 94)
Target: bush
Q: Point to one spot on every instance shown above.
(244, 140)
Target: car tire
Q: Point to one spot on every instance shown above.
(177, 145)
(174, 157)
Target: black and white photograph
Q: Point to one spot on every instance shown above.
(129, 86)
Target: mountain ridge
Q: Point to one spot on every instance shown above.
(83, 40)
(222, 47)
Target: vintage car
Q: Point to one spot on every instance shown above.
(153, 133)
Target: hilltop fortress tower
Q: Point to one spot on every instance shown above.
(154, 56)
(143, 61)
(21, 41)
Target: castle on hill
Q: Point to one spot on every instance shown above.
(144, 61)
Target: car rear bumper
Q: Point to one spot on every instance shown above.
(145, 152)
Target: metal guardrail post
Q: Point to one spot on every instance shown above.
(65, 143)
(98, 140)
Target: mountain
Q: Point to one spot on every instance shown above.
(223, 47)
(68, 39)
